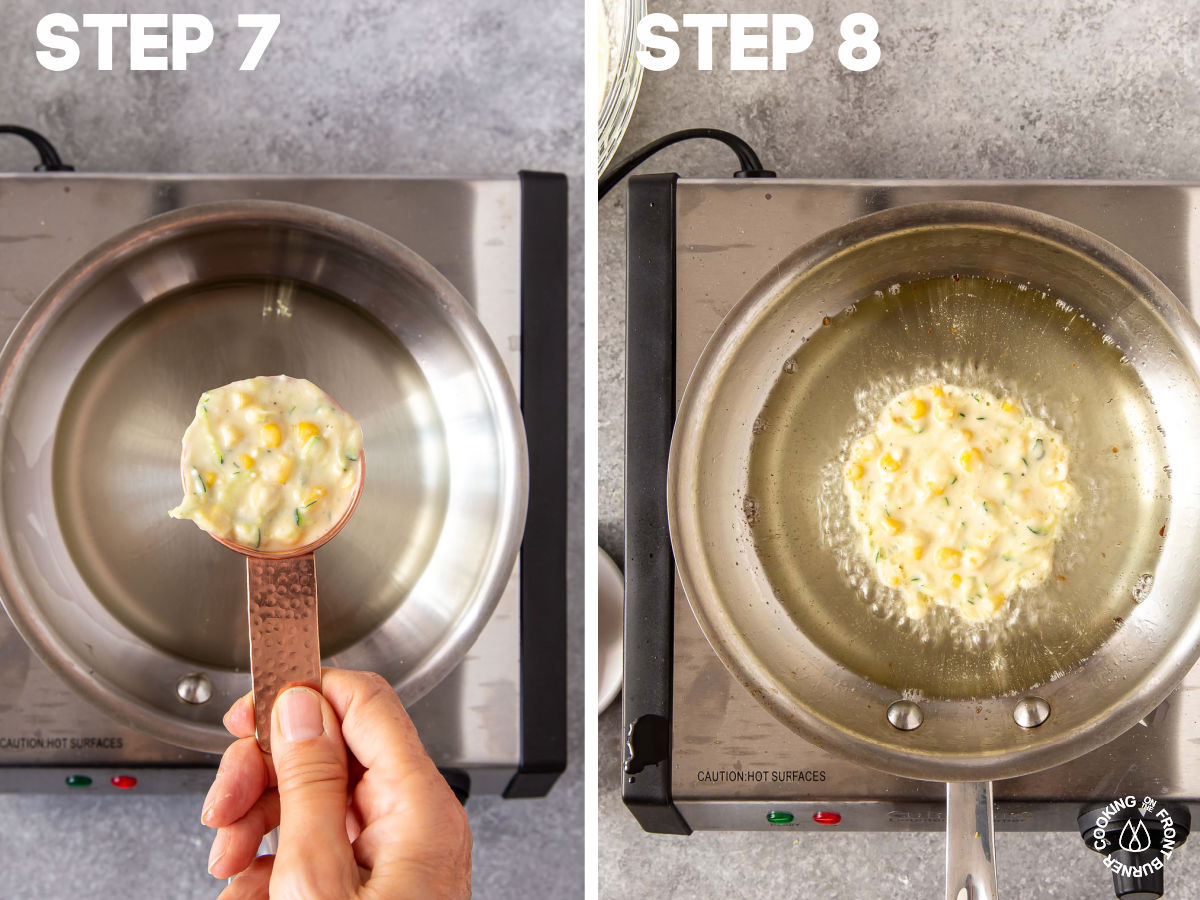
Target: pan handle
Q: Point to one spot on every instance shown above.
(970, 841)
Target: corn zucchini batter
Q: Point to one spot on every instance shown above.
(271, 463)
(958, 497)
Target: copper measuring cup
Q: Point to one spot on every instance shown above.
(281, 598)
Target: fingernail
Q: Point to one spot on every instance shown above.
(220, 845)
(300, 715)
(210, 802)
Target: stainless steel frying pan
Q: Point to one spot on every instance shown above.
(145, 615)
(1043, 309)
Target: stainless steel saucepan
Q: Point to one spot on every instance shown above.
(146, 615)
(1041, 309)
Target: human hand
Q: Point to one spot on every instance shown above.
(380, 825)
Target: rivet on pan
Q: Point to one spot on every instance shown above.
(1030, 712)
(905, 715)
(194, 688)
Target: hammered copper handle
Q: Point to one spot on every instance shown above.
(284, 645)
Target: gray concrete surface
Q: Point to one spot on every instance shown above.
(1023, 89)
(366, 86)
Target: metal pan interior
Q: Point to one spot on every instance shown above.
(977, 333)
(170, 583)
(783, 612)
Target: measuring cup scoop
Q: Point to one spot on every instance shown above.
(281, 597)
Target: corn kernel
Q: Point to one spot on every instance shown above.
(209, 478)
(969, 459)
(240, 399)
(270, 436)
(935, 489)
(1054, 473)
(994, 602)
(968, 435)
(943, 412)
(263, 494)
(246, 533)
(894, 581)
(1008, 406)
(207, 522)
(917, 408)
(937, 391)
(854, 471)
(956, 580)
(889, 463)
(315, 495)
(246, 461)
(229, 435)
(305, 430)
(948, 558)
(917, 552)
(283, 468)
(286, 531)
(894, 526)
(974, 558)
(866, 448)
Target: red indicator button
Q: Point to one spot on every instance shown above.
(827, 818)
(125, 782)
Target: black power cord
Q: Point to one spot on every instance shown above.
(751, 165)
(51, 161)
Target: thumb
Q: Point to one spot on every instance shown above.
(310, 766)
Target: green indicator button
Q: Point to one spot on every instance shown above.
(78, 781)
(780, 818)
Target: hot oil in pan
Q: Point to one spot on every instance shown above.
(116, 462)
(973, 332)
